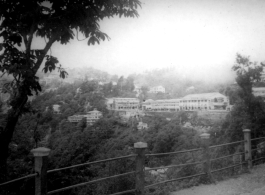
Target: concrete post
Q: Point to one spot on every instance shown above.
(205, 137)
(41, 163)
(140, 159)
(247, 146)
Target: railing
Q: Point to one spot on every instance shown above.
(41, 161)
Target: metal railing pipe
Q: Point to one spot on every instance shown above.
(90, 163)
(89, 182)
(177, 179)
(227, 144)
(18, 179)
(178, 152)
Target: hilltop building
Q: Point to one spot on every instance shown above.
(157, 89)
(91, 117)
(122, 104)
(125, 107)
(142, 126)
(55, 109)
(138, 90)
(262, 76)
(204, 101)
(258, 91)
(192, 102)
(161, 105)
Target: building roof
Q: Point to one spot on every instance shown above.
(56, 107)
(94, 111)
(158, 86)
(149, 100)
(258, 88)
(204, 96)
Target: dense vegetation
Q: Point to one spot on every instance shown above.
(111, 136)
(22, 23)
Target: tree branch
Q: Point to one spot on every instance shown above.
(44, 52)
(25, 40)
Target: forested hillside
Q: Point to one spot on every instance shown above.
(77, 143)
(110, 136)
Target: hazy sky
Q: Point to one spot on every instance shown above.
(200, 38)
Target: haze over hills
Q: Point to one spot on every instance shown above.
(175, 82)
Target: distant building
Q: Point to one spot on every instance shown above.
(120, 104)
(189, 89)
(78, 90)
(91, 117)
(262, 76)
(161, 105)
(258, 91)
(204, 101)
(157, 89)
(142, 126)
(138, 90)
(147, 104)
(56, 109)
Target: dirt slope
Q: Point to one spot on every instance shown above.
(252, 183)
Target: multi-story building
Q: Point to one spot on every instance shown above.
(161, 105)
(157, 89)
(142, 125)
(204, 101)
(258, 91)
(262, 76)
(91, 117)
(125, 107)
(119, 104)
(138, 90)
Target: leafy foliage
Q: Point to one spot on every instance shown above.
(21, 23)
(248, 111)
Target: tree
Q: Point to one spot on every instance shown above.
(52, 21)
(249, 111)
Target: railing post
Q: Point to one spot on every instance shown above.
(140, 159)
(247, 146)
(205, 137)
(41, 163)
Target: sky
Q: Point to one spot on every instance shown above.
(199, 38)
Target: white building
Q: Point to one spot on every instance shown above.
(157, 89)
(258, 91)
(142, 125)
(91, 117)
(56, 109)
(204, 101)
(161, 105)
(120, 104)
(138, 90)
(262, 76)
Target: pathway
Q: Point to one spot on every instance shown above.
(252, 183)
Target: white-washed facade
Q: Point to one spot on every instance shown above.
(91, 117)
(120, 104)
(157, 89)
(161, 105)
(205, 101)
(258, 91)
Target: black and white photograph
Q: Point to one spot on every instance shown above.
(132, 97)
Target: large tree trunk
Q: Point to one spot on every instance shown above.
(7, 133)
